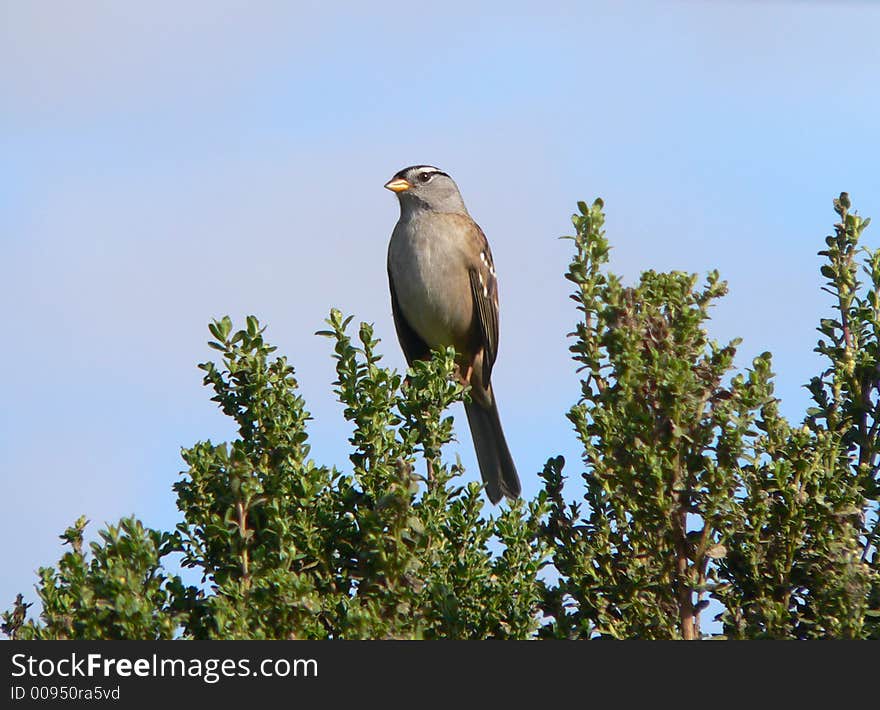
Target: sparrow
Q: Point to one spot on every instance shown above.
(444, 291)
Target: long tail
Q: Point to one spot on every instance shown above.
(496, 463)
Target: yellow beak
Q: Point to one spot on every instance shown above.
(398, 185)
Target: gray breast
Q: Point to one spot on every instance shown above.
(431, 279)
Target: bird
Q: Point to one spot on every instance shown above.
(444, 291)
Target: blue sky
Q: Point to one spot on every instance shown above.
(166, 164)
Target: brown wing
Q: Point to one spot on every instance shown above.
(414, 348)
(484, 288)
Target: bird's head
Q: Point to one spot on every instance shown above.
(426, 187)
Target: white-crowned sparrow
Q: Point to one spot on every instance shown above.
(444, 292)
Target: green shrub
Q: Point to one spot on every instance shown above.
(695, 488)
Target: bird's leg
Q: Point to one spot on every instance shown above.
(464, 372)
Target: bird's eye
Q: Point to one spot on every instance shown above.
(425, 177)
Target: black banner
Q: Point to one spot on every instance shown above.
(396, 673)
